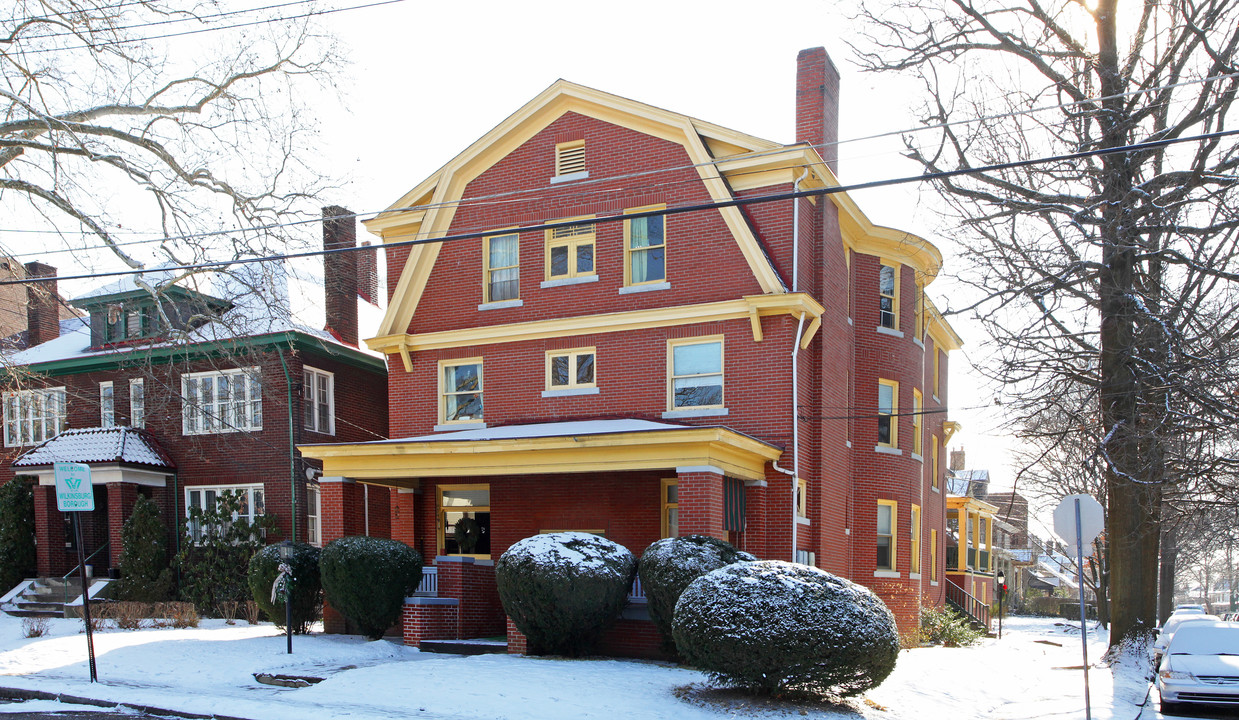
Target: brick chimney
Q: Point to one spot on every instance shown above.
(817, 104)
(340, 273)
(42, 305)
(368, 275)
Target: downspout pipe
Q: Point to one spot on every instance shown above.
(292, 444)
(795, 471)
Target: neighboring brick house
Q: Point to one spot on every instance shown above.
(661, 360)
(206, 389)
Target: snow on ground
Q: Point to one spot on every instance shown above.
(1033, 672)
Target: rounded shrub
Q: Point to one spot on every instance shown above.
(774, 626)
(306, 585)
(562, 590)
(367, 579)
(668, 566)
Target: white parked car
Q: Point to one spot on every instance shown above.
(1201, 665)
(1188, 608)
(1167, 631)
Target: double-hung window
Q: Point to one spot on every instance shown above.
(888, 296)
(914, 560)
(313, 511)
(917, 412)
(570, 252)
(107, 404)
(888, 419)
(933, 556)
(250, 499)
(670, 491)
(318, 401)
(460, 391)
(696, 373)
(933, 465)
(137, 403)
(887, 527)
(222, 401)
(32, 416)
(503, 268)
(570, 369)
(645, 249)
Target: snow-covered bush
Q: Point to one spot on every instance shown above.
(774, 626)
(562, 590)
(367, 579)
(668, 566)
(306, 585)
(944, 625)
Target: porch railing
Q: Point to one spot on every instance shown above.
(74, 572)
(637, 593)
(969, 605)
(429, 586)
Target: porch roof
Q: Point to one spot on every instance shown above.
(123, 445)
(558, 447)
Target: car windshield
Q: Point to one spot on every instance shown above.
(1205, 639)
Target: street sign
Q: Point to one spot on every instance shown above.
(1092, 522)
(74, 493)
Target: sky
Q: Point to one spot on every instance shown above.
(428, 79)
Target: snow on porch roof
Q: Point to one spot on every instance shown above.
(541, 430)
(99, 445)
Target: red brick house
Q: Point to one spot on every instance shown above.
(186, 393)
(599, 337)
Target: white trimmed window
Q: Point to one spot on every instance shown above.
(318, 404)
(645, 249)
(313, 511)
(570, 251)
(695, 373)
(503, 268)
(460, 391)
(887, 527)
(32, 416)
(888, 296)
(570, 369)
(888, 409)
(137, 403)
(222, 401)
(914, 561)
(253, 502)
(107, 404)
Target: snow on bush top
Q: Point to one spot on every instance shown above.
(669, 565)
(584, 551)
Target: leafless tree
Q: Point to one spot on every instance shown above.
(1112, 275)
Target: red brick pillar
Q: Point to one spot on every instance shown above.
(48, 530)
(404, 515)
(121, 497)
(755, 538)
(334, 495)
(701, 501)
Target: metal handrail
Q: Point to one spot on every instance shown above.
(78, 567)
(975, 609)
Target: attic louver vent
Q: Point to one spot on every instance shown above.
(570, 158)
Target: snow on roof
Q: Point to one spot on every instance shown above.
(99, 445)
(553, 429)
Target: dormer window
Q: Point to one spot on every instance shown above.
(570, 161)
(128, 322)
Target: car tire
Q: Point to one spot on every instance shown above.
(1171, 708)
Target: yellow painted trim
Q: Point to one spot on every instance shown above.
(814, 325)
(781, 304)
(628, 245)
(935, 477)
(571, 243)
(896, 301)
(914, 555)
(894, 506)
(571, 354)
(487, 268)
(406, 358)
(399, 463)
(671, 376)
(454, 362)
(894, 414)
(441, 522)
(663, 486)
(933, 555)
(943, 335)
(918, 427)
(755, 324)
(949, 428)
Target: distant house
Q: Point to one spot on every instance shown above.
(609, 339)
(187, 392)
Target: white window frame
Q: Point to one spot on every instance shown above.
(444, 393)
(107, 404)
(889, 414)
(672, 376)
(893, 296)
(137, 403)
(316, 397)
(630, 252)
(249, 489)
(213, 417)
(313, 514)
(489, 271)
(32, 416)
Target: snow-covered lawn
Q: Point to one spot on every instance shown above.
(1033, 672)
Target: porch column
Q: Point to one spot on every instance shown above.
(404, 502)
(343, 511)
(701, 500)
(48, 530)
(121, 498)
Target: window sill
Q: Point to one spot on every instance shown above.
(570, 177)
(800, 520)
(935, 397)
(850, 321)
(917, 458)
(694, 413)
(560, 282)
(886, 574)
(933, 583)
(651, 287)
(887, 450)
(914, 576)
(569, 392)
(501, 304)
(449, 427)
(889, 331)
(935, 489)
(918, 343)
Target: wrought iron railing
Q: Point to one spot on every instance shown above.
(971, 606)
(67, 577)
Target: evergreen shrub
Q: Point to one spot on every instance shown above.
(306, 587)
(669, 565)
(144, 572)
(17, 550)
(367, 579)
(216, 547)
(562, 590)
(944, 626)
(773, 627)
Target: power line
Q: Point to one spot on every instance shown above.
(699, 207)
(171, 21)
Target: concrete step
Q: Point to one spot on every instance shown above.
(35, 613)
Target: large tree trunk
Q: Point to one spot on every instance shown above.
(1170, 556)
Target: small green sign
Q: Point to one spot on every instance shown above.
(74, 493)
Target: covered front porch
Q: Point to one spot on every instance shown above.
(461, 498)
(970, 556)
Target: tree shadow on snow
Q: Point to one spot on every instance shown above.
(736, 702)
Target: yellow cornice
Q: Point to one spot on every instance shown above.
(943, 335)
(750, 307)
(957, 502)
(401, 462)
